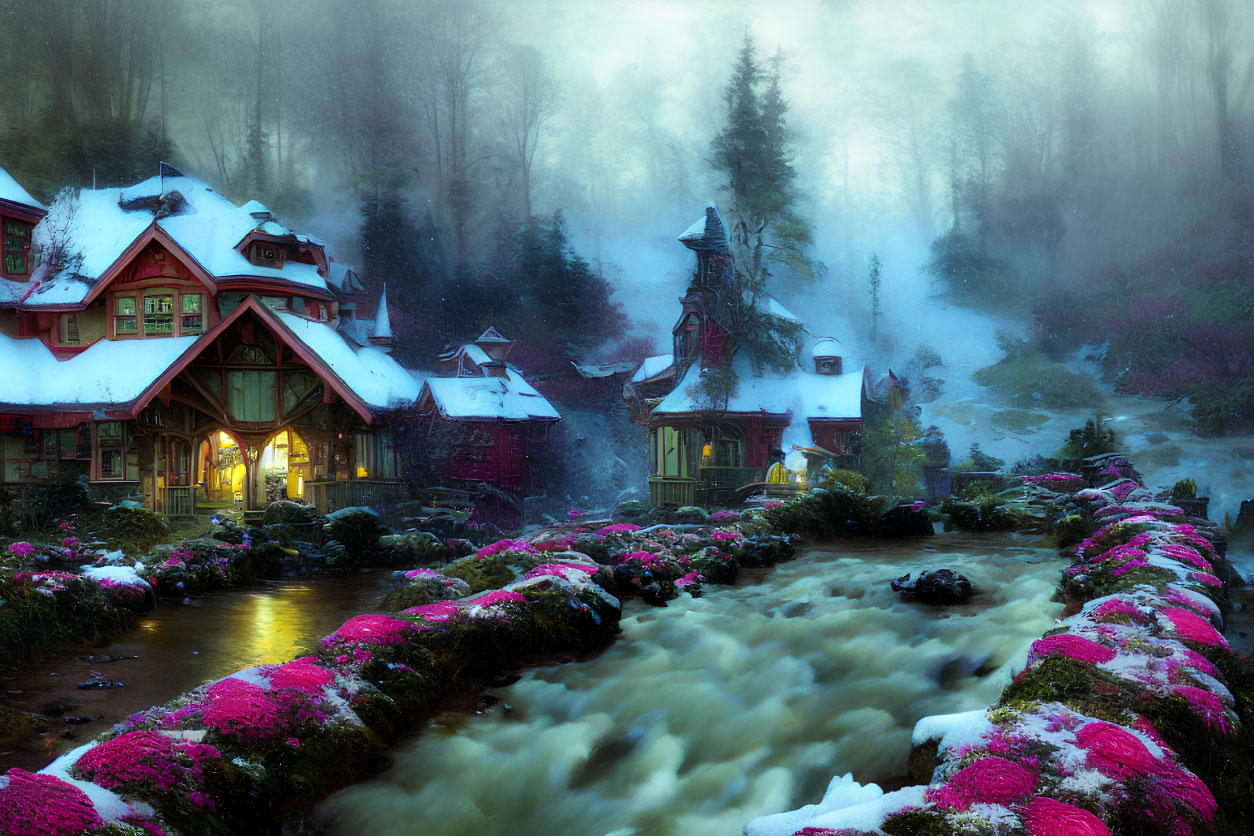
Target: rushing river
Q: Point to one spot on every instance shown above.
(177, 647)
(712, 711)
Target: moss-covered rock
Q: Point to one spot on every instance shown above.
(17, 728)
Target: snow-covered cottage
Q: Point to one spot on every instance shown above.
(700, 453)
(482, 421)
(176, 348)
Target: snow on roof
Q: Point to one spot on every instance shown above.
(372, 375)
(774, 307)
(509, 398)
(826, 347)
(208, 227)
(800, 394)
(476, 354)
(41, 290)
(342, 277)
(12, 191)
(108, 372)
(652, 367)
(593, 371)
(707, 232)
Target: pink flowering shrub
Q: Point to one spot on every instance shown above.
(617, 527)
(1205, 578)
(1115, 752)
(991, 780)
(563, 570)
(370, 629)
(1047, 817)
(1191, 627)
(45, 805)
(302, 674)
(441, 612)
(1071, 646)
(21, 550)
(1118, 607)
(724, 516)
(234, 706)
(142, 762)
(500, 596)
(1058, 482)
(1205, 705)
(725, 536)
(521, 546)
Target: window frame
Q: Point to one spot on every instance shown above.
(118, 315)
(16, 243)
(113, 445)
(166, 315)
(69, 329)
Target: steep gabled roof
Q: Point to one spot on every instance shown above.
(187, 217)
(508, 398)
(798, 394)
(131, 373)
(16, 201)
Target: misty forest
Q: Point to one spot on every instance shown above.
(821, 418)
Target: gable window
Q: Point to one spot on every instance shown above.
(124, 319)
(250, 395)
(193, 321)
(69, 329)
(159, 314)
(109, 444)
(16, 248)
(267, 255)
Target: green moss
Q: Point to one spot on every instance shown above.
(917, 823)
(1018, 420)
(923, 760)
(410, 595)
(1030, 379)
(32, 623)
(481, 573)
(1074, 683)
(16, 728)
(334, 756)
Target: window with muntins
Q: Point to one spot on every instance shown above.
(16, 248)
(109, 444)
(124, 319)
(193, 321)
(159, 315)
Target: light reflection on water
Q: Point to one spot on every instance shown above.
(179, 647)
(710, 712)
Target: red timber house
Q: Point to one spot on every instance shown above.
(179, 350)
(771, 426)
(482, 421)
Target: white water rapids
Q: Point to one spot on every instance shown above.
(712, 711)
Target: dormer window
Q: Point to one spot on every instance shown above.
(124, 320)
(16, 248)
(267, 254)
(827, 365)
(159, 314)
(193, 321)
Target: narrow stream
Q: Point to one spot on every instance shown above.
(177, 647)
(712, 711)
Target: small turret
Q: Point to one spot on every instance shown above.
(381, 335)
(826, 354)
(494, 345)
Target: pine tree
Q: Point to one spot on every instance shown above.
(873, 287)
(753, 152)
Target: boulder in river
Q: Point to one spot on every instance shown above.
(935, 586)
